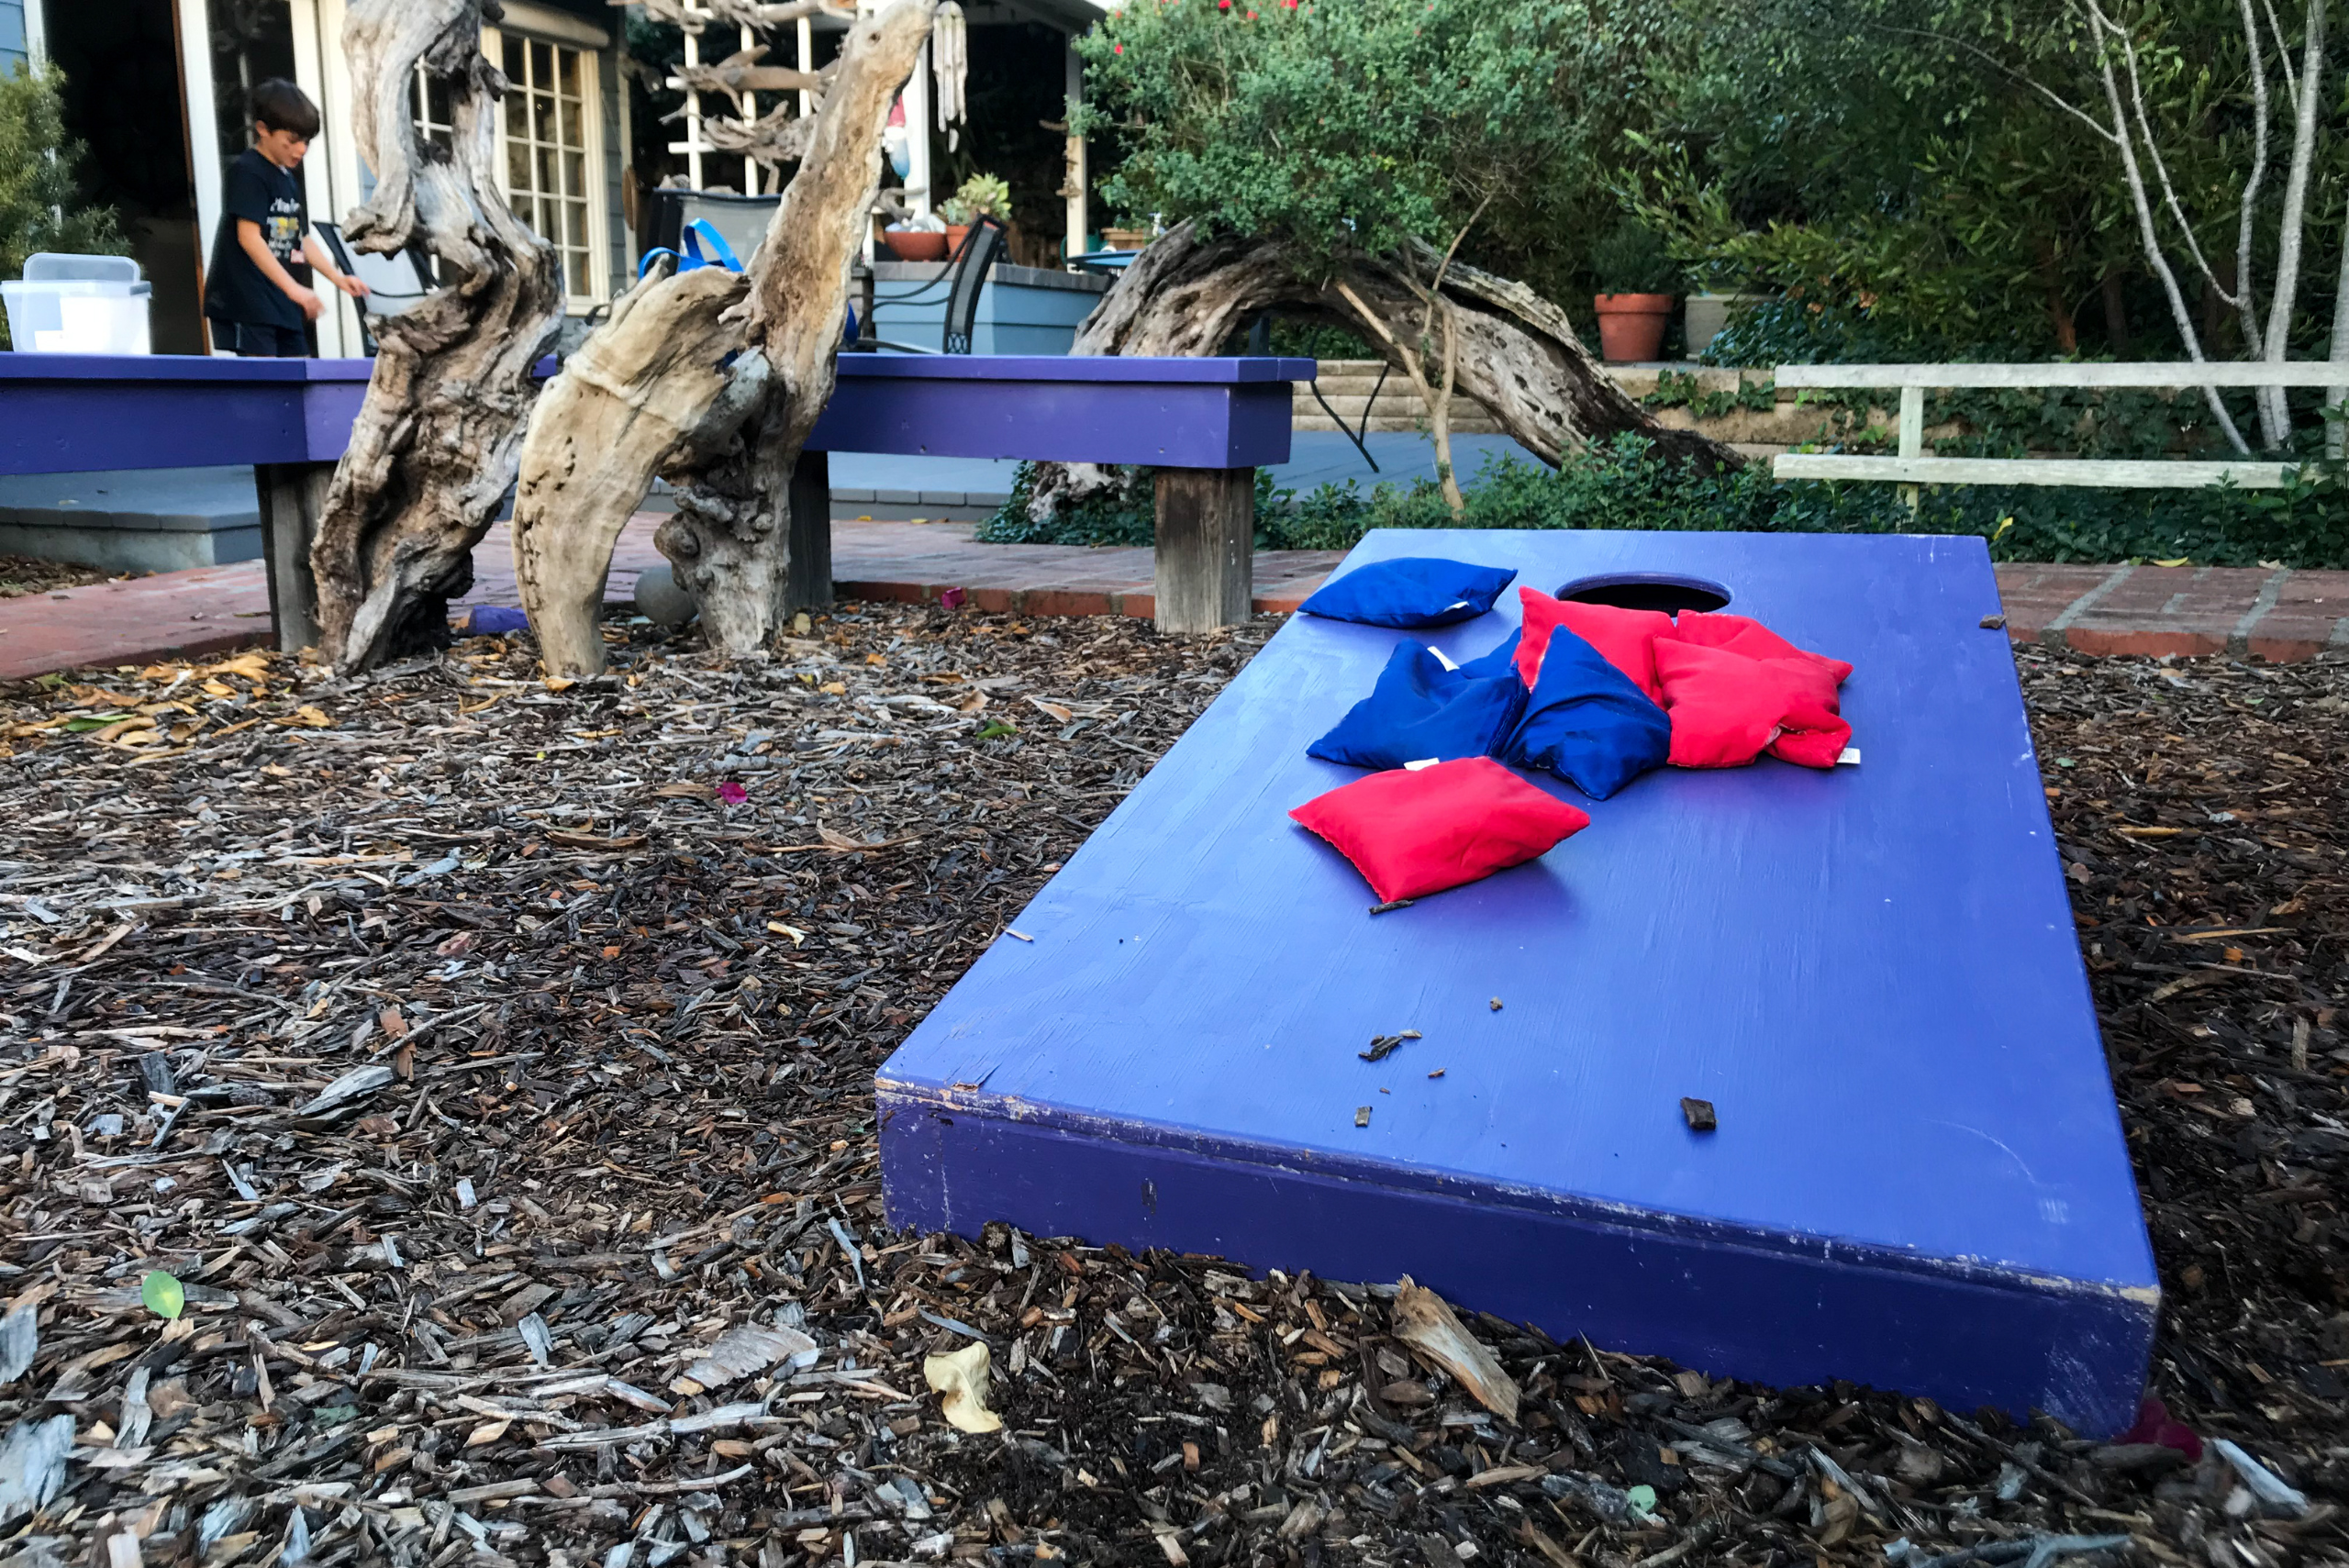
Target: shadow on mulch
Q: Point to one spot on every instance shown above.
(479, 1059)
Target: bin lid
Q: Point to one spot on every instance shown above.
(52, 266)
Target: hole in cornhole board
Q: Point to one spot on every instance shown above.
(1648, 591)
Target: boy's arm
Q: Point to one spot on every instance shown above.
(315, 254)
(257, 251)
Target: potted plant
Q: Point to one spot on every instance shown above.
(980, 196)
(1637, 276)
(908, 243)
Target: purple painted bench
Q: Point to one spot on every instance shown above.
(289, 418)
(1919, 1179)
(1206, 423)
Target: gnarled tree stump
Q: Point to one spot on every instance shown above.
(1517, 354)
(636, 394)
(654, 391)
(439, 436)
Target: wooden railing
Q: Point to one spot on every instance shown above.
(1913, 467)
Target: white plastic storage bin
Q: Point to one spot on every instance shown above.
(79, 305)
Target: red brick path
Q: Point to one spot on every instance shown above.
(2245, 612)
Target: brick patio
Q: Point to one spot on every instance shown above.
(2188, 611)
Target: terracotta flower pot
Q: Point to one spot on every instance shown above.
(914, 244)
(1630, 326)
(955, 233)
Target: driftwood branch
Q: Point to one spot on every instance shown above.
(728, 537)
(1516, 352)
(633, 399)
(712, 381)
(777, 138)
(732, 14)
(437, 440)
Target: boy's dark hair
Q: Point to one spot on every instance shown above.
(281, 105)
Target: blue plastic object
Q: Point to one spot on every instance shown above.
(1587, 723)
(1421, 710)
(1415, 590)
(721, 253)
(496, 620)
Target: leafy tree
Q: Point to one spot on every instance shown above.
(1941, 166)
(41, 203)
(1369, 124)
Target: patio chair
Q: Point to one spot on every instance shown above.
(396, 283)
(741, 221)
(965, 275)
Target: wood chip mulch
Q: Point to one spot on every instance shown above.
(22, 574)
(482, 1071)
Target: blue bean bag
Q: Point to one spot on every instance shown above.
(1415, 590)
(1587, 722)
(1422, 709)
(1502, 660)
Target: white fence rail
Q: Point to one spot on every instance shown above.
(1912, 467)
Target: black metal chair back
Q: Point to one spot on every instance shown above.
(396, 283)
(981, 248)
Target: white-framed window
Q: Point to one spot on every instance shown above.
(429, 106)
(551, 126)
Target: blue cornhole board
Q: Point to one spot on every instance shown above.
(1919, 1181)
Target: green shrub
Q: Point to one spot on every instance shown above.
(41, 205)
(1623, 485)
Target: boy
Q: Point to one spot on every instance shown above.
(259, 305)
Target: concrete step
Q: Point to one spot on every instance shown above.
(1480, 424)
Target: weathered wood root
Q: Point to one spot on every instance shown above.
(728, 538)
(636, 393)
(1518, 354)
(439, 437)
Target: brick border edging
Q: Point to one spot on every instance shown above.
(2179, 611)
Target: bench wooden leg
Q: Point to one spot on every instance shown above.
(809, 586)
(293, 496)
(1206, 548)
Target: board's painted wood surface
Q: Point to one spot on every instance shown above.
(1870, 973)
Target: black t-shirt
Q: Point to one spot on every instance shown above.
(259, 192)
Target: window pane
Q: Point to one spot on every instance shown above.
(543, 125)
(546, 182)
(575, 213)
(567, 71)
(517, 166)
(513, 70)
(574, 174)
(541, 66)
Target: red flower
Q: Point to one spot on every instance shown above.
(732, 794)
(1117, 48)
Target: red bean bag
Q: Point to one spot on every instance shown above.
(1742, 634)
(1416, 832)
(1727, 708)
(1625, 639)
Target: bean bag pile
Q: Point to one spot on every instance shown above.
(1594, 695)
